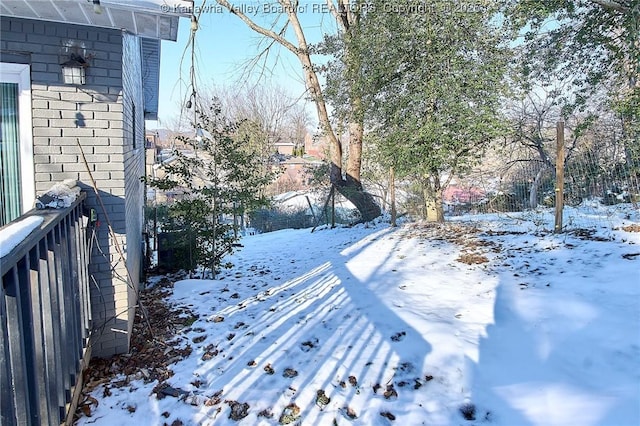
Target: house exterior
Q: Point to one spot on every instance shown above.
(50, 127)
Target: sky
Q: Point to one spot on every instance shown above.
(223, 45)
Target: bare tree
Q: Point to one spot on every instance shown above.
(533, 134)
(346, 14)
(265, 115)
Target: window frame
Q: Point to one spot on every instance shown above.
(21, 74)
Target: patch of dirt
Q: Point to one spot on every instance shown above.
(238, 410)
(266, 413)
(322, 400)
(215, 399)
(632, 228)
(466, 236)
(398, 336)
(289, 373)
(210, 351)
(388, 415)
(390, 393)
(468, 411)
(152, 351)
(472, 258)
(290, 414)
(630, 256)
(309, 344)
(501, 233)
(199, 339)
(350, 413)
(588, 234)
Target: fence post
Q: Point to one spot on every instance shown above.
(392, 194)
(333, 209)
(559, 175)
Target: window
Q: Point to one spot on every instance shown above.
(16, 148)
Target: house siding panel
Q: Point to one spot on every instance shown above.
(98, 116)
(133, 113)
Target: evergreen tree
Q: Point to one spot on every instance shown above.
(220, 181)
(431, 79)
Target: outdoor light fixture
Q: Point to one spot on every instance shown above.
(73, 70)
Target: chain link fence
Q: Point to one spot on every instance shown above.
(600, 187)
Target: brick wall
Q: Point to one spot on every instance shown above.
(98, 115)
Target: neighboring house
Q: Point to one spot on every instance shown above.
(316, 146)
(153, 151)
(456, 194)
(112, 49)
(294, 174)
(284, 148)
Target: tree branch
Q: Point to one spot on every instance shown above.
(257, 28)
(613, 5)
(340, 18)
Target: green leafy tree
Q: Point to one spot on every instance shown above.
(220, 179)
(431, 83)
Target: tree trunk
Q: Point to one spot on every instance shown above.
(363, 201)
(433, 206)
(392, 192)
(356, 135)
(349, 186)
(533, 190)
(434, 212)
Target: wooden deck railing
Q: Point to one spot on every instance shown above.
(45, 320)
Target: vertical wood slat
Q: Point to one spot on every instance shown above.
(56, 313)
(75, 295)
(37, 329)
(17, 337)
(48, 331)
(82, 278)
(16, 347)
(45, 320)
(72, 300)
(29, 335)
(86, 283)
(65, 335)
(7, 406)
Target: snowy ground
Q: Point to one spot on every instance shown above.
(417, 325)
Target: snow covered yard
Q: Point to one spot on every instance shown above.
(456, 325)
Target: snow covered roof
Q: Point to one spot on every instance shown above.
(147, 18)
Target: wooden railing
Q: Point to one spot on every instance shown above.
(45, 320)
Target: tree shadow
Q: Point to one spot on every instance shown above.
(546, 358)
(111, 320)
(328, 325)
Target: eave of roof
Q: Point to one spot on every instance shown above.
(156, 19)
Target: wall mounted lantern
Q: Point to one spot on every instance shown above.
(74, 70)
